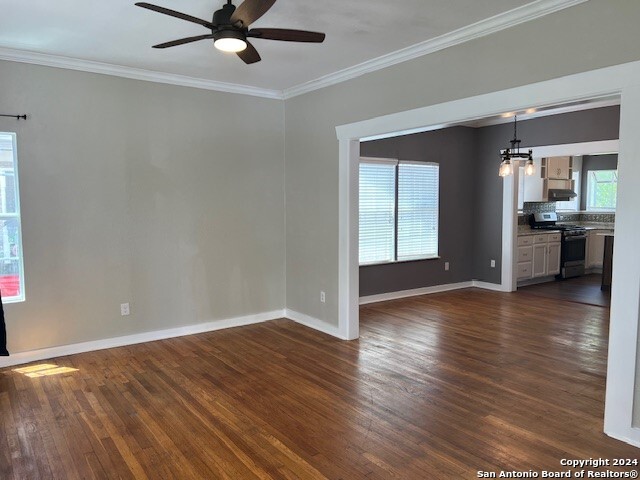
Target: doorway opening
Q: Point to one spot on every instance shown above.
(597, 84)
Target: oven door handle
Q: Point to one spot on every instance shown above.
(574, 238)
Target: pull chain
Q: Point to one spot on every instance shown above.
(17, 117)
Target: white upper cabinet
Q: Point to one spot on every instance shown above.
(558, 168)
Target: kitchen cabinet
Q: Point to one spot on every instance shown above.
(607, 262)
(525, 256)
(539, 261)
(556, 173)
(553, 258)
(558, 168)
(538, 256)
(595, 248)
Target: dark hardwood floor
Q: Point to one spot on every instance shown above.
(585, 289)
(438, 386)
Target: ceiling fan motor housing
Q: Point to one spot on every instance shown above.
(223, 16)
(228, 33)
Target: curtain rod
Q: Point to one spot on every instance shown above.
(17, 117)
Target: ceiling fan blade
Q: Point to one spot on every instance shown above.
(173, 13)
(287, 35)
(249, 55)
(251, 10)
(182, 41)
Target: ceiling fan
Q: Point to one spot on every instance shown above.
(230, 28)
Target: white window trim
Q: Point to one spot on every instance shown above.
(18, 215)
(397, 162)
(591, 208)
(383, 161)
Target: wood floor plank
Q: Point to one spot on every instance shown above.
(438, 386)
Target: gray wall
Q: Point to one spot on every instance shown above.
(451, 148)
(594, 162)
(583, 126)
(125, 181)
(143, 193)
(548, 48)
(471, 192)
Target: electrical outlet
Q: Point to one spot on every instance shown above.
(124, 309)
(446, 266)
(322, 297)
(493, 264)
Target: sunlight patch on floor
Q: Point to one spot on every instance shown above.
(43, 370)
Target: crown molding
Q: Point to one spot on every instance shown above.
(479, 29)
(68, 63)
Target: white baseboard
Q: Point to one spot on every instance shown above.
(631, 436)
(301, 318)
(63, 350)
(383, 297)
(313, 323)
(496, 287)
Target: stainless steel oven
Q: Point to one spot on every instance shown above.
(574, 243)
(573, 254)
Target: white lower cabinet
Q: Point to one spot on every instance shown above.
(553, 258)
(538, 256)
(524, 270)
(595, 248)
(525, 257)
(539, 260)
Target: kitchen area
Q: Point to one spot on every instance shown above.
(566, 220)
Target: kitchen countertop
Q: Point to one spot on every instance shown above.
(524, 230)
(595, 226)
(527, 230)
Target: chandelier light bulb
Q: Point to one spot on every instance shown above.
(529, 168)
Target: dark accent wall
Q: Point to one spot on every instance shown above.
(594, 162)
(584, 126)
(454, 150)
(471, 192)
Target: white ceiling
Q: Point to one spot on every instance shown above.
(118, 33)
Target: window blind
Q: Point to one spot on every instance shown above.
(377, 211)
(418, 199)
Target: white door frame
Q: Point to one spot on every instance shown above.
(623, 80)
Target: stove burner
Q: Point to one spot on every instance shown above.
(566, 230)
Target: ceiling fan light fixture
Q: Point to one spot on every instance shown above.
(229, 41)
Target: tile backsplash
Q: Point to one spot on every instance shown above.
(535, 207)
(586, 217)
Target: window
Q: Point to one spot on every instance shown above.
(398, 211)
(11, 264)
(602, 189)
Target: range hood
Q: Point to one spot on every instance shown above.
(560, 194)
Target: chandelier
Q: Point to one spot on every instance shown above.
(513, 153)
